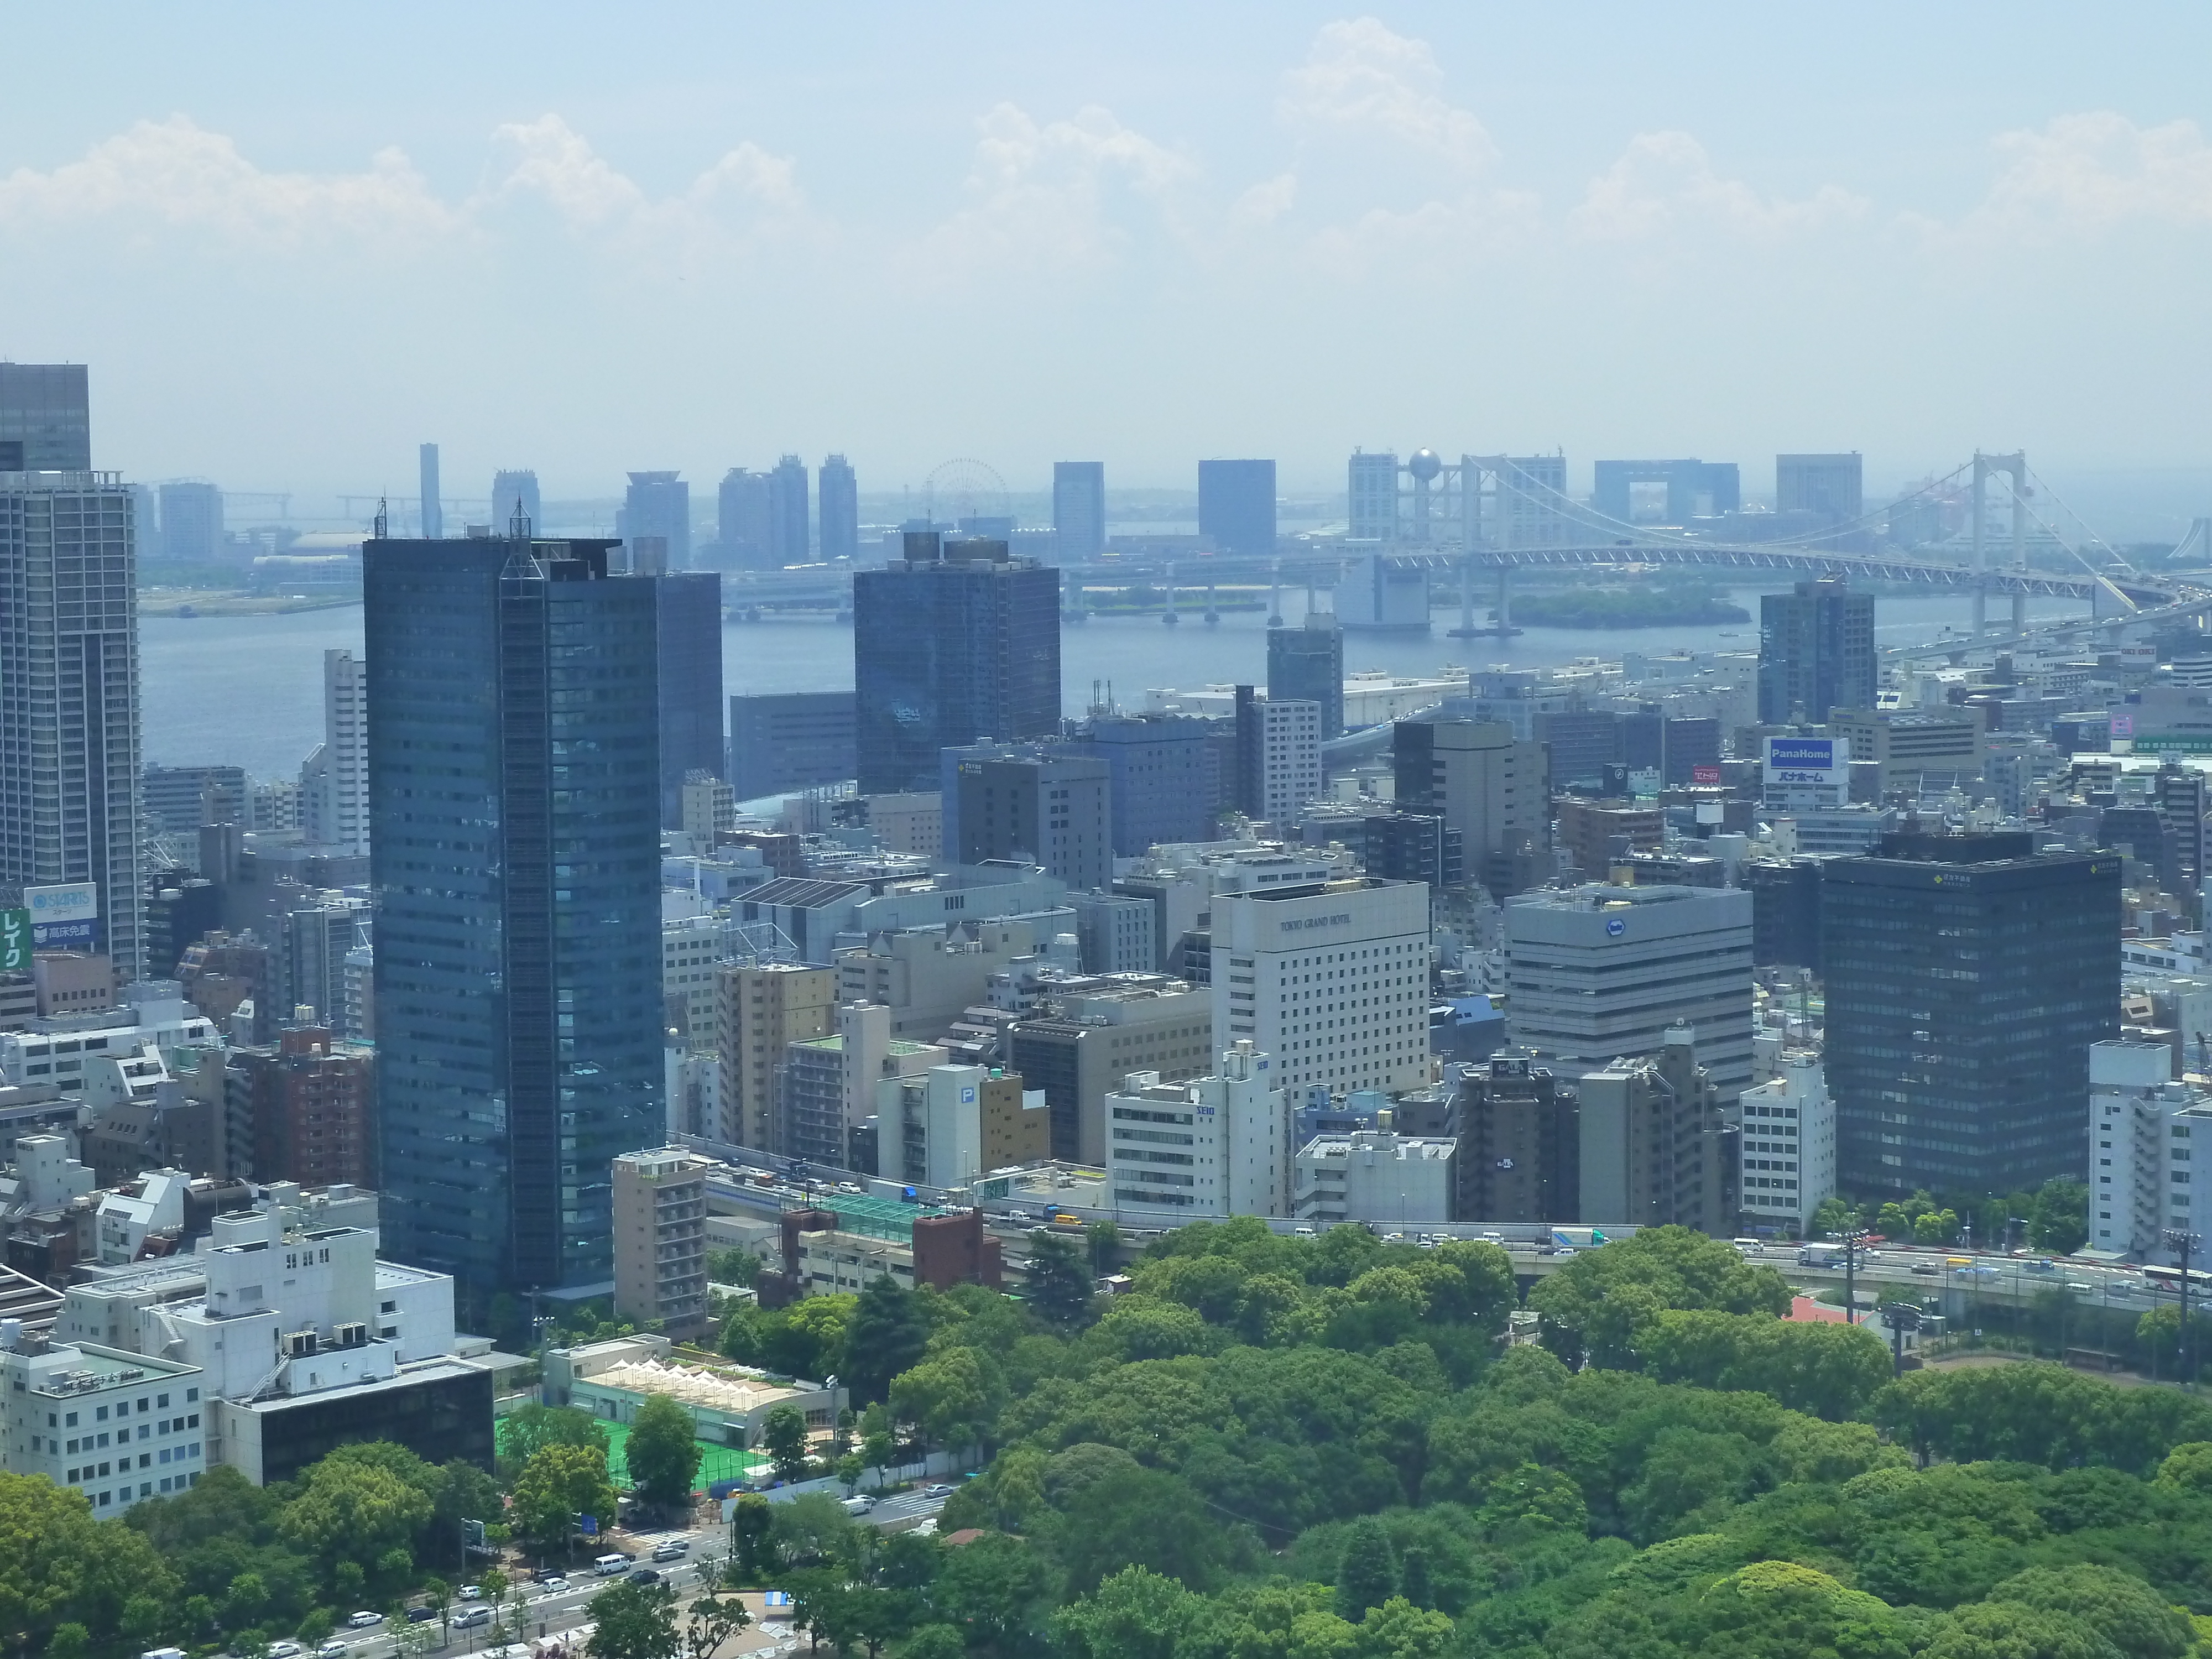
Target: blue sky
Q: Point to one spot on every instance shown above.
(294, 241)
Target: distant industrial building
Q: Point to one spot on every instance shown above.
(1079, 509)
(658, 504)
(1237, 505)
(1830, 489)
(954, 644)
(1966, 978)
(513, 491)
(1694, 489)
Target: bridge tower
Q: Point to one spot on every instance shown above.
(2014, 467)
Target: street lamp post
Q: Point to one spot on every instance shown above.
(2182, 1243)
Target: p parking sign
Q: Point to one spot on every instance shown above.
(14, 941)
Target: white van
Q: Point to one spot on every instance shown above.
(611, 1566)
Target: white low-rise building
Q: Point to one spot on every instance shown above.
(1216, 1146)
(118, 1427)
(2145, 1129)
(1389, 1180)
(1788, 1147)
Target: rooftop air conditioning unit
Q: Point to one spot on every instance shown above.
(352, 1335)
(297, 1343)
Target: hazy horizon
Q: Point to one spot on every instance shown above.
(292, 246)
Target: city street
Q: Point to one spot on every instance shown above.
(565, 1610)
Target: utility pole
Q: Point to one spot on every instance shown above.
(1850, 1267)
(1901, 1317)
(2182, 1242)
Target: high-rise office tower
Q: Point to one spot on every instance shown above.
(334, 782)
(1331, 979)
(658, 504)
(1519, 1141)
(742, 517)
(512, 491)
(789, 537)
(1166, 775)
(1599, 973)
(46, 418)
(689, 611)
(1815, 652)
(955, 643)
(191, 521)
(1079, 509)
(1045, 806)
(1237, 505)
(1487, 784)
(68, 695)
(513, 769)
(1307, 664)
(434, 511)
(781, 741)
(1966, 978)
(840, 509)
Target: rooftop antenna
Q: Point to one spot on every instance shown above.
(518, 526)
(383, 519)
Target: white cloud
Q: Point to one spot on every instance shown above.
(1265, 203)
(2098, 168)
(1664, 180)
(178, 173)
(1041, 193)
(1360, 78)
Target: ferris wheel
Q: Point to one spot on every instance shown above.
(966, 488)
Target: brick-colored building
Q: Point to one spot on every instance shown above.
(310, 1103)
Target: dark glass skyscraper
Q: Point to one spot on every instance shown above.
(1306, 665)
(953, 645)
(513, 778)
(1815, 652)
(45, 419)
(690, 624)
(1237, 505)
(1966, 976)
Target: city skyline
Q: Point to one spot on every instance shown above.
(1687, 272)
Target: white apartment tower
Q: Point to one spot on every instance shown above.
(1216, 1145)
(334, 781)
(68, 695)
(1788, 1148)
(2145, 1129)
(1289, 757)
(1330, 979)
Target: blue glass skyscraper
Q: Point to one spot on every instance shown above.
(512, 779)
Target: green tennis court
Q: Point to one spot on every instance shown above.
(716, 1461)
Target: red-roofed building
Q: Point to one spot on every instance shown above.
(1806, 1311)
